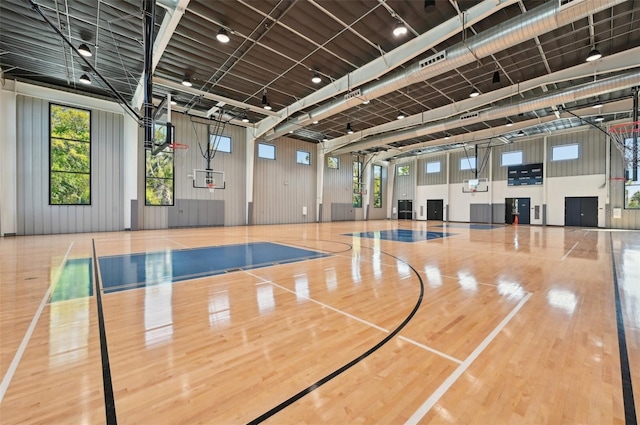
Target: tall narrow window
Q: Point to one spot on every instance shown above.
(159, 173)
(357, 186)
(69, 156)
(632, 185)
(377, 186)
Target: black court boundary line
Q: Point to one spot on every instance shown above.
(353, 362)
(625, 371)
(109, 401)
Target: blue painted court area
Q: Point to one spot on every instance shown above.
(473, 226)
(75, 281)
(402, 235)
(122, 272)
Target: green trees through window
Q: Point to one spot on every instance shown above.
(377, 186)
(159, 173)
(69, 155)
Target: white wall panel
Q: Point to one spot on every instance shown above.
(593, 185)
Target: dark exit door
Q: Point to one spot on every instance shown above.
(405, 210)
(520, 207)
(434, 209)
(581, 211)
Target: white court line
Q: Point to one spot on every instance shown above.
(444, 387)
(6, 380)
(177, 243)
(410, 341)
(572, 248)
(433, 350)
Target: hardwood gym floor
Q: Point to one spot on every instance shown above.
(403, 322)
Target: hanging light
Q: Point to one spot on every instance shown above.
(521, 133)
(401, 115)
(474, 93)
(316, 78)
(187, 82)
(599, 118)
(265, 101)
(173, 103)
(222, 36)
(496, 77)
(245, 118)
(349, 129)
(509, 122)
(598, 104)
(594, 55)
(366, 102)
(84, 79)
(84, 50)
(446, 136)
(400, 29)
(325, 138)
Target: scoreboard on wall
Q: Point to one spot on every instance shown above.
(523, 175)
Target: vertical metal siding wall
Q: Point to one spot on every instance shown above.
(458, 176)
(35, 215)
(191, 133)
(337, 185)
(404, 186)
(281, 187)
(592, 154)
(432, 178)
(532, 153)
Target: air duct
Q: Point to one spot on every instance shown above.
(572, 94)
(535, 22)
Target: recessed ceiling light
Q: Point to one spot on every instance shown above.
(597, 105)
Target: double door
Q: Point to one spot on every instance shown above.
(405, 209)
(435, 209)
(581, 211)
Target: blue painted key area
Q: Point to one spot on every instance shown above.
(122, 272)
(473, 226)
(75, 281)
(402, 235)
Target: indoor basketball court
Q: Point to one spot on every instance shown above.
(319, 212)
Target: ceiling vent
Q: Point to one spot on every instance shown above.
(469, 115)
(433, 59)
(353, 94)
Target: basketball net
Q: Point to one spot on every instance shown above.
(179, 153)
(211, 186)
(623, 136)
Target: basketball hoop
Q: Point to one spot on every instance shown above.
(179, 153)
(211, 186)
(623, 135)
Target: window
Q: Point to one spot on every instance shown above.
(564, 152)
(303, 157)
(333, 162)
(403, 170)
(266, 151)
(632, 185)
(467, 163)
(377, 186)
(69, 156)
(159, 173)
(432, 167)
(219, 143)
(511, 158)
(357, 184)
